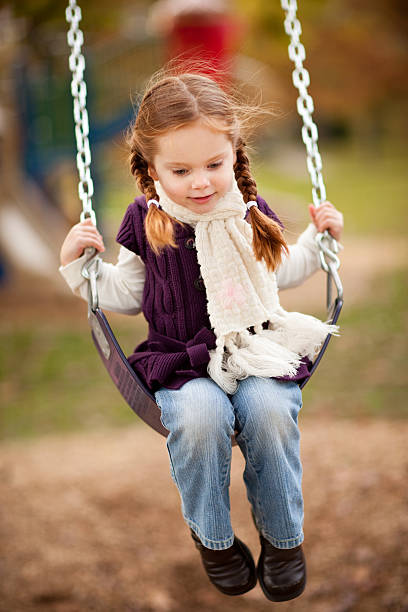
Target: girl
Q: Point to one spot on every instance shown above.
(203, 256)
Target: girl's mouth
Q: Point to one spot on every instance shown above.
(203, 199)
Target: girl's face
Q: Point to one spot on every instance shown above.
(194, 165)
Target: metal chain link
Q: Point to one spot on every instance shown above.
(328, 247)
(78, 89)
(90, 270)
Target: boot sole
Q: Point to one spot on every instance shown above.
(282, 597)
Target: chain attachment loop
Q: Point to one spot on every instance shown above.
(90, 271)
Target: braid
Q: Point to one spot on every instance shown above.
(243, 176)
(139, 169)
(268, 241)
(158, 225)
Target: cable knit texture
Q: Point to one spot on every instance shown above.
(181, 337)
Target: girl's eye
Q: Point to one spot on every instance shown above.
(180, 172)
(215, 165)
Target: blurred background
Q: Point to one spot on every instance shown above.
(55, 395)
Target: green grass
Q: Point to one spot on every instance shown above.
(51, 379)
(364, 372)
(369, 189)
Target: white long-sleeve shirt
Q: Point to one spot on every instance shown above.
(120, 285)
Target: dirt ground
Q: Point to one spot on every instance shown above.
(92, 522)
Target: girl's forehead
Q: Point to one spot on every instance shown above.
(194, 140)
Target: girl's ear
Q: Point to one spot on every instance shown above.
(152, 173)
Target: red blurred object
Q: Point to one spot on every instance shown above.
(210, 40)
(208, 36)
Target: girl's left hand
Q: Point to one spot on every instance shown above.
(327, 217)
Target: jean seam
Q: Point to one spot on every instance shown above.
(295, 541)
(255, 503)
(225, 478)
(173, 471)
(161, 411)
(226, 471)
(260, 515)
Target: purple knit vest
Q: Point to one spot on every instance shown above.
(174, 305)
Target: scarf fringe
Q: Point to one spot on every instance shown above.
(269, 353)
(300, 333)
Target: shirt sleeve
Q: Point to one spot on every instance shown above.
(120, 286)
(303, 260)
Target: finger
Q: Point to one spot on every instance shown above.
(87, 222)
(88, 231)
(325, 210)
(325, 206)
(331, 215)
(334, 229)
(85, 244)
(327, 214)
(312, 211)
(90, 238)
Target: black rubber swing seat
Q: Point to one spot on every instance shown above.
(139, 398)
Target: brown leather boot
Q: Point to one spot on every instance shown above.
(281, 571)
(232, 570)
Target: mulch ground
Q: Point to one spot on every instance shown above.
(92, 522)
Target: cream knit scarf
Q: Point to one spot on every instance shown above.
(242, 294)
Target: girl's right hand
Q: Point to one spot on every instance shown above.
(81, 236)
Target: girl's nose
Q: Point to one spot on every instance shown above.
(200, 181)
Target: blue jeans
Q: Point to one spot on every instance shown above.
(201, 419)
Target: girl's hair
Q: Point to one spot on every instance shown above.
(171, 102)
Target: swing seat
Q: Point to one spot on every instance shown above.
(138, 397)
(336, 309)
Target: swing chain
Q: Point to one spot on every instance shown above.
(90, 270)
(78, 89)
(328, 247)
(305, 106)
